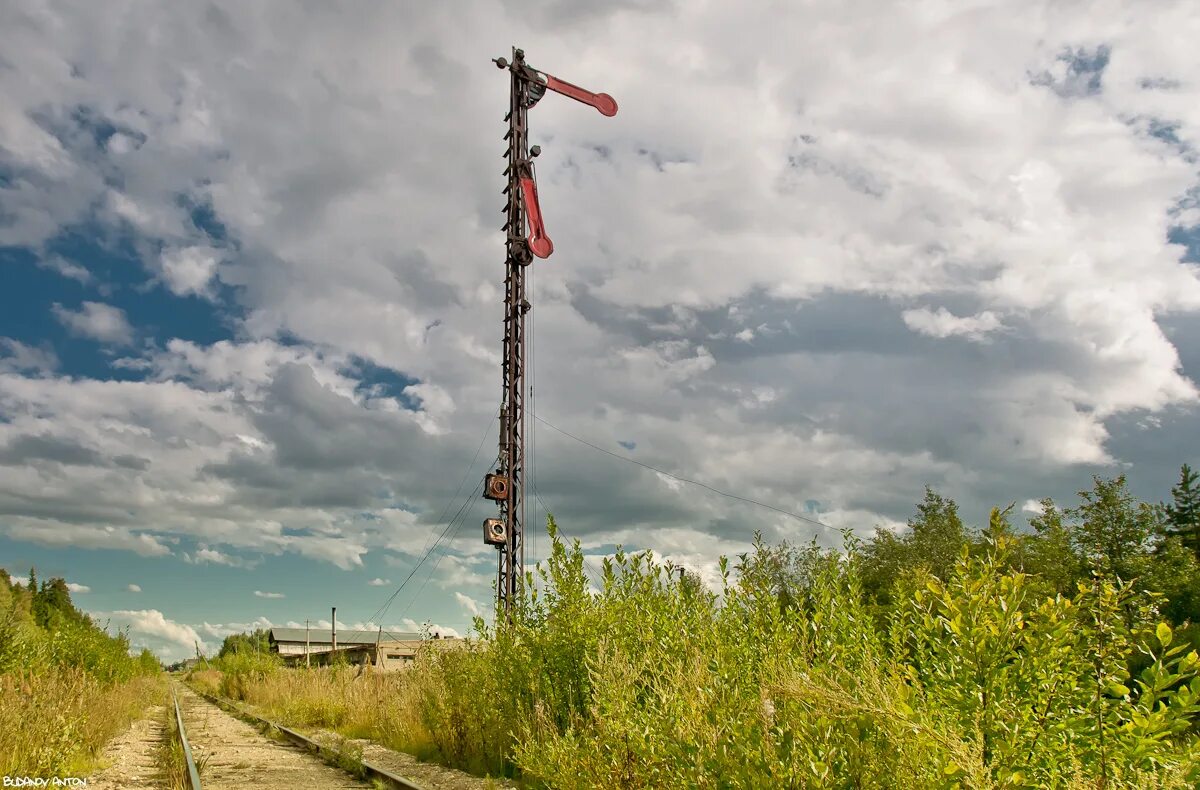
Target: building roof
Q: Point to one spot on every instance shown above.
(321, 636)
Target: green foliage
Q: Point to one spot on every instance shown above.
(42, 631)
(934, 539)
(1050, 552)
(939, 657)
(239, 670)
(258, 641)
(1183, 513)
(787, 677)
(66, 686)
(1113, 532)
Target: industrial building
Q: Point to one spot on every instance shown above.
(386, 650)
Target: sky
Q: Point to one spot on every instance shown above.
(827, 253)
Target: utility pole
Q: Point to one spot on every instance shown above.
(306, 639)
(507, 485)
(333, 631)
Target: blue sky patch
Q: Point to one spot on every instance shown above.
(1189, 238)
(383, 382)
(115, 277)
(1084, 72)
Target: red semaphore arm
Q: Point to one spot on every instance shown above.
(606, 104)
(539, 243)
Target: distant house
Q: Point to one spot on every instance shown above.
(380, 649)
(184, 665)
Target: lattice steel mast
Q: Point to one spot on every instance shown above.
(507, 485)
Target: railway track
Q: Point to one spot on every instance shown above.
(193, 775)
(229, 746)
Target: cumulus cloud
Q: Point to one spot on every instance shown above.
(188, 271)
(204, 555)
(17, 357)
(78, 588)
(753, 296)
(151, 629)
(52, 532)
(943, 323)
(261, 594)
(133, 588)
(96, 321)
(377, 582)
(222, 630)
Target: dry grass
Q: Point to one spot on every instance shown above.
(378, 706)
(976, 681)
(172, 761)
(56, 723)
(207, 680)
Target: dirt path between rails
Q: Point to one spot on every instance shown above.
(132, 757)
(234, 755)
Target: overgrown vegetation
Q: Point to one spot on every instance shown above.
(1060, 656)
(172, 760)
(66, 686)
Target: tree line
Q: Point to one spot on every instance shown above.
(1154, 548)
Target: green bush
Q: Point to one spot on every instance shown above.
(240, 670)
(66, 685)
(975, 681)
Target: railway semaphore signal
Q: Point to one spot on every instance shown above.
(526, 238)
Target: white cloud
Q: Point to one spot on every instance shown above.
(943, 323)
(342, 552)
(150, 628)
(261, 594)
(222, 630)
(68, 269)
(78, 588)
(50, 532)
(1032, 506)
(205, 555)
(442, 631)
(377, 582)
(189, 270)
(97, 321)
(748, 328)
(469, 604)
(133, 588)
(17, 357)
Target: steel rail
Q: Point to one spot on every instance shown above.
(369, 770)
(193, 775)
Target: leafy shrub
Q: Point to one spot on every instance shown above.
(790, 675)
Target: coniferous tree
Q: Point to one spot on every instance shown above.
(37, 605)
(56, 604)
(1183, 514)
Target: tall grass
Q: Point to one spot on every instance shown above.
(976, 681)
(66, 686)
(55, 723)
(172, 760)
